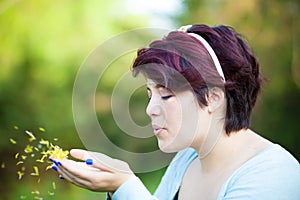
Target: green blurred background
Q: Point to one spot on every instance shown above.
(43, 43)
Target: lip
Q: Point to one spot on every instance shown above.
(157, 129)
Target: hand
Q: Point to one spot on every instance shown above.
(104, 174)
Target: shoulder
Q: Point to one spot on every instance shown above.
(274, 172)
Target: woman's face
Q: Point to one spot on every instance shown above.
(177, 119)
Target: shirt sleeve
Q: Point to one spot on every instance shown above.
(132, 189)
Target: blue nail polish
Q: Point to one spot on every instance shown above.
(51, 159)
(54, 168)
(61, 177)
(59, 163)
(89, 161)
(56, 163)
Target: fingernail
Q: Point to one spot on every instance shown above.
(51, 159)
(54, 168)
(61, 177)
(89, 161)
(54, 161)
(57, 163)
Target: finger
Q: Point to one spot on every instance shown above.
(101, 161)
(79, 154)
(112, 165)
(87, 157)
(83, 175)
(78, 169)
(65, 175)
(76, 172)
(83, 155)
(98, 160)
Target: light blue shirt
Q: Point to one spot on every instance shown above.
(272, 174)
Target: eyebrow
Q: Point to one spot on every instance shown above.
(157, 86)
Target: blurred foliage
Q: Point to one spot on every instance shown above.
(43, 44)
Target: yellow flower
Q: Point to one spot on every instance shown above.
(41, 160)
(48, 167)
(20, 174)
(31, 136)
(42, 129)
(38, 150)
(23, 157)
(28, 149)
(36, 171)
(12, 141)
(44, 142)
(53, 186)
(20, 162)
(50, 193)
(57, 153)
(35, 192)
(17, 155)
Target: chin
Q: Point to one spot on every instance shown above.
(169, 148)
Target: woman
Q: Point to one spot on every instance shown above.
(202, 84)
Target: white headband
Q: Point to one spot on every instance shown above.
(208, 48)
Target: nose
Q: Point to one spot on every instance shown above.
(153, 108)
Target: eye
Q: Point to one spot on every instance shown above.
(166, 97)
(149, 94)
(165, 93)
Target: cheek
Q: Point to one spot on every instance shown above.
(182, 118)
(182, 123)
(194, 123)
(173, 115)
(190, 119)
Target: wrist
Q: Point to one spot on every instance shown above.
(122, 180)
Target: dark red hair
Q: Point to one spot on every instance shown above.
(179, 58)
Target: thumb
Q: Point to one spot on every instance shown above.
(84, 155)
(80, 154)
(101, 161)
(93, 160)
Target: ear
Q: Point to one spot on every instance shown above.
(215, 99)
